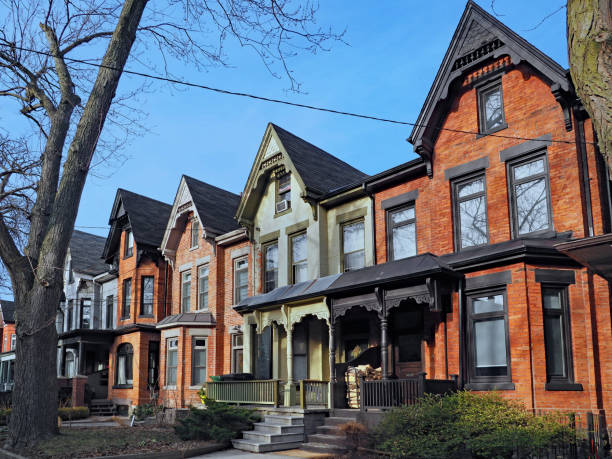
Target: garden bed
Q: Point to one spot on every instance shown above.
(112, 441)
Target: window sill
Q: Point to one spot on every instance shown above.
(146, 316)
(563, 386)
(198, 387)
(125, 257)
(201, 310)
(284, 212)
(123, 386)
(169, 387)
(490, 386)
(195, 247)
(124, 318)
(497, 129)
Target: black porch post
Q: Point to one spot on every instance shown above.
(383, 345)
(332, 362)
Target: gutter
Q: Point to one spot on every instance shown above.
(231, 237)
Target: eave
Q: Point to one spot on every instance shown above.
(593, 252)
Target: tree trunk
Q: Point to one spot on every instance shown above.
(589, 35)
(35, 398)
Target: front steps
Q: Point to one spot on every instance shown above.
(101, 407)
(276, 433)
(329, 439)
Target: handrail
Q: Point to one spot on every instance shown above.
(257, 392)
(313, 392)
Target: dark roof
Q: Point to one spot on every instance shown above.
(200, 318)
(320, 171)
(8, 311)
(476, 29)
(86, 252)
(216, 207)
(148, 217)
(594, 252)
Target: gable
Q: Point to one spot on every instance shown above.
(478, 39)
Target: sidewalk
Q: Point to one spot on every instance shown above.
(290, 454)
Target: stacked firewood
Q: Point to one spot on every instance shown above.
(352, 378)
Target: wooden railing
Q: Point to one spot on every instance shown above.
(245, 392)
(397, 392)
(313, 392)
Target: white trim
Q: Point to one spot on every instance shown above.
(198, 332)
(203, 260)
(171, 333)
(186, 266)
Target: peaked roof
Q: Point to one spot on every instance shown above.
(216, 207)
(320, 171)
(8, 311)
(147, 218)
(479, 36)
(86, 251)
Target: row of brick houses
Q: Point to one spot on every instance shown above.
(467, 264)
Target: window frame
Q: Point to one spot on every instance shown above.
(455, 184)
(292, 262)
(278, 194)
(237, 299)
(128, 249)
(234, 348)
(486, 382)
(481, 93)
(81, 314)
(13, 341)
(128, 350)
(566, 382)
(195, 234)
(174, 348)
(510, 166)
(194, 348)
(200, 307)
(391, 226)
(342, 253)
(185, 294)
(110, 307)
(143, 313)
(265, 248)
(126, 304)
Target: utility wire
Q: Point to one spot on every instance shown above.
(286, 102)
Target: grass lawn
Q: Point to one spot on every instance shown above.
(110, 441)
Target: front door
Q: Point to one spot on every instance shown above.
(300, 351)
(407, 342)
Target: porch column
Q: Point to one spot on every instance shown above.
(289, 387)
(61, 360)
(332, 364)
(81, 360)
(383, 345)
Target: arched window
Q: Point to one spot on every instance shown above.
(70, 360)
(124, 364)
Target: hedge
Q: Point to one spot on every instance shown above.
(77, 412)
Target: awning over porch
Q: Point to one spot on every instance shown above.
(593, 252)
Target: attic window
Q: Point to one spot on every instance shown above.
(195, 232)
(283, 192)
(129, 244)
(491, 108)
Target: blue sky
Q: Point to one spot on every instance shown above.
(394, 50)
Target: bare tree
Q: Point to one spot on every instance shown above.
(46, 48)
(589, 36)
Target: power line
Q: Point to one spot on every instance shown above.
(286, 102)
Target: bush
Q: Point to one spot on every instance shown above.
(356, 434)
(72, 413)
(144, 411)
(219, 422)
(464, 424)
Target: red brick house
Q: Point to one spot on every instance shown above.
(143, 298)
(8, 341)
(209, 254)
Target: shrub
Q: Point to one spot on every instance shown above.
(218, 422)
(5, 414)
(463, 424)
(355, 433)
(144, 411)
(72, 413)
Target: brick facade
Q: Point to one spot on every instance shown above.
(8, 330)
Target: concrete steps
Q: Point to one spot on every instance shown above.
(276, 433)
(102, 407)
(328, 438)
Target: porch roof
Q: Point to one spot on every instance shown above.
(419, 266)
(594, 252)
(187, 318)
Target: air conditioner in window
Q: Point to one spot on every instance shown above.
(281, 206)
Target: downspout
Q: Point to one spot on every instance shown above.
(461, 306)
(584, 166)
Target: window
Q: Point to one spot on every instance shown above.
(152, 373)
(241, 279)
(283, 193)
(491, 108)
(195, 232)
(299, 263)
(69, 365)
(146, 296)
(13, 341)
(70, 314)
(109, 311)
(470, 212)
(353, 245)
(198, 361)
(129, 244)
(85, 313)
(401, 232)
(530, 197)
(124, 365)
(59, 321)
(171, 361)
(127, 299)
(203, 287)
(186, 291)
(488, 350)
(270, 266)
(557, 335)
(237, 346)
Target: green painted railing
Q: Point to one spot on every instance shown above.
(313, 392)
(244, 392)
